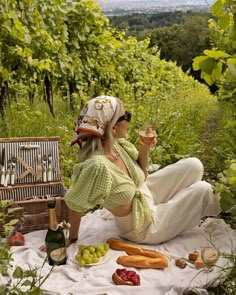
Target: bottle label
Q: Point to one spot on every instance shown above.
(58, 254)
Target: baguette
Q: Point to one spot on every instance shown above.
(140, 261)
(130, 249)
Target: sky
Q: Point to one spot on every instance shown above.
(161, 1)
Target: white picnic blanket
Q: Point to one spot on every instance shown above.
(97, 280)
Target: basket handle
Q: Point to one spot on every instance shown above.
(45, 213)
(39, 215)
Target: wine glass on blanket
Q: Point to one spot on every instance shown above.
(147, 136)
(210, 256)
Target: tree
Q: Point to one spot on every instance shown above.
(182, 42)
(218, 65)
(43, 46)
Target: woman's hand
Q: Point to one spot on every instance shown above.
(147, 140)
(74, 221)
(70, 241)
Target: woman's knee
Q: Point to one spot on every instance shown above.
(210, 203)
(203, 187)
(195, 167)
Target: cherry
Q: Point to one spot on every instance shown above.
(131, 272)
(135, 279)
(121, 272)
(125, 278)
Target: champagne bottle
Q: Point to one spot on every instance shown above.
(55, 239)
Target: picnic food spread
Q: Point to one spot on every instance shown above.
(140, 257)
(74, 279)
(128, 276)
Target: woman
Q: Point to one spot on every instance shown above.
(112, 173)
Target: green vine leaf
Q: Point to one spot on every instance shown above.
(224, 20)
(223, 32)
(36, 291)
(18, 273)
(231, 62)
(217, 7)
(27, 283)
(216, 53)
(197, 61)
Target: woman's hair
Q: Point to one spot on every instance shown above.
(93, 145)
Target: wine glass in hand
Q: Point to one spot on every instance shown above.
(148, 137)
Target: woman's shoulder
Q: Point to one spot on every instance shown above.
(93, 163)
(124, 143)
(90, 168)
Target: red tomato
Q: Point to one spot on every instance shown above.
(16, 240)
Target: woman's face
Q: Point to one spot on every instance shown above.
(121, 129)
(122, 123)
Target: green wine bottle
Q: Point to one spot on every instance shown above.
(55, 239)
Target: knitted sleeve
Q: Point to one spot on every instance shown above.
(91, 184)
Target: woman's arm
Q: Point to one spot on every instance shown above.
(74, 220)
(143, 157)
(145, 144)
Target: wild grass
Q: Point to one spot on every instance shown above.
(188, 122)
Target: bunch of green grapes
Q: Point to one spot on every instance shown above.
(91, 254)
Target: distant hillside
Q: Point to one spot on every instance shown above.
(180, 35)
(137, 23)
(122, 7)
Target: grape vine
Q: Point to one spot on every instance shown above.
(218, 66)
(44, 46)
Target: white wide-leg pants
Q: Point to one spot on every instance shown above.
(178, 199)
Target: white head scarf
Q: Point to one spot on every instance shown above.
(94, 117)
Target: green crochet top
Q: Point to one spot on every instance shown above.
(97, 181)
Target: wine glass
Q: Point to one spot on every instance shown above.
(210, 256)
(146, 136)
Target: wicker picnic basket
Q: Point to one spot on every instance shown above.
(31, 174)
